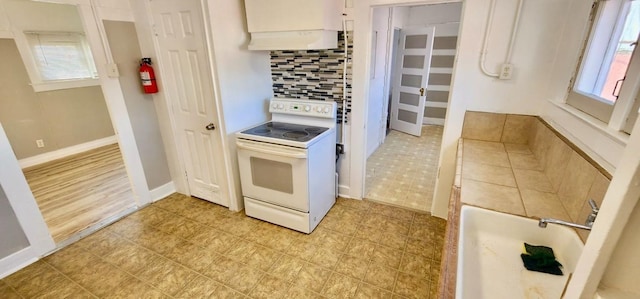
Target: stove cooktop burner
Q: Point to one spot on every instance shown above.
(287, 131)
(295, 134)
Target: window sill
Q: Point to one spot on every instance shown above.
(616, 136)
(58, 85)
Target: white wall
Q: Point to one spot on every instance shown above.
(399, 17)
(5, 25)
(444, 17)
(433, 14)
(36, 16)
(376, 120)
(243, 82)
(624, 267)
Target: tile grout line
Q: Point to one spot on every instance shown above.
(16, 291)
(524, 207)
(160, 255)
(70, 279)
(136, 275)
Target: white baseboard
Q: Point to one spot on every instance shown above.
(16, 261)
(433, 121)
(162, 191)
(67, 151)
(344, 191)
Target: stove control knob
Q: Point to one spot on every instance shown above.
(307, 108)
(326, 109)
(274, 105)
(319, 109)
(280, 106)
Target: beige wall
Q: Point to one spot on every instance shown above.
(125, 49)
(61, 118)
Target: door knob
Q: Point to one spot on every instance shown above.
(422, 91)
(210, 127)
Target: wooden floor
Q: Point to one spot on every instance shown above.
(79, 191)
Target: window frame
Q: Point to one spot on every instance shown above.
(37, 83)
(613, 115)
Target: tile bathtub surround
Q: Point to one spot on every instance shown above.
(313, 74)
(497, 127)
(553, 178)
(181, 247)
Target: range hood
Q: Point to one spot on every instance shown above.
(294, 24)
(294, 40)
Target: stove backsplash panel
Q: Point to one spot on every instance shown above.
(313, 74)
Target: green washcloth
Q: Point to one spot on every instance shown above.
(540, 259)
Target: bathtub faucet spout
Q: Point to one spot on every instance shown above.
(588, 224)
(543, 223)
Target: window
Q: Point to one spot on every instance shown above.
(607, 58)
(61, 58)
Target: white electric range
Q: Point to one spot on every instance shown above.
(288, 165)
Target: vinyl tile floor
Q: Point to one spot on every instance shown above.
(402, 171)
(182, 247)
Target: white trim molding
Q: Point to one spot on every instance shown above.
(65, 84)
(344, 191)
(433, 121)
(26, 210)
(162, 191)
(67, 151)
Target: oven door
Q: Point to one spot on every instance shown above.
(274, 173)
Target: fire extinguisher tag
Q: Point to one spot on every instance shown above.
(146, 78)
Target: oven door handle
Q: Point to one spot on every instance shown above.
(261, 149)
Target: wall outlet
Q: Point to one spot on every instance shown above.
(505, 71)
(112, 70)
(40, 143)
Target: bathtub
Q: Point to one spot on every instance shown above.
(489, 263)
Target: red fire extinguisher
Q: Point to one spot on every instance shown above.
(147, 76)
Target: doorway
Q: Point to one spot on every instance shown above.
(62, 134)
(409, 109)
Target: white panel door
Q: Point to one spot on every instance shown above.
(411, 77)
(179, 28)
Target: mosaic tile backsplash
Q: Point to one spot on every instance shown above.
(313, 74)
